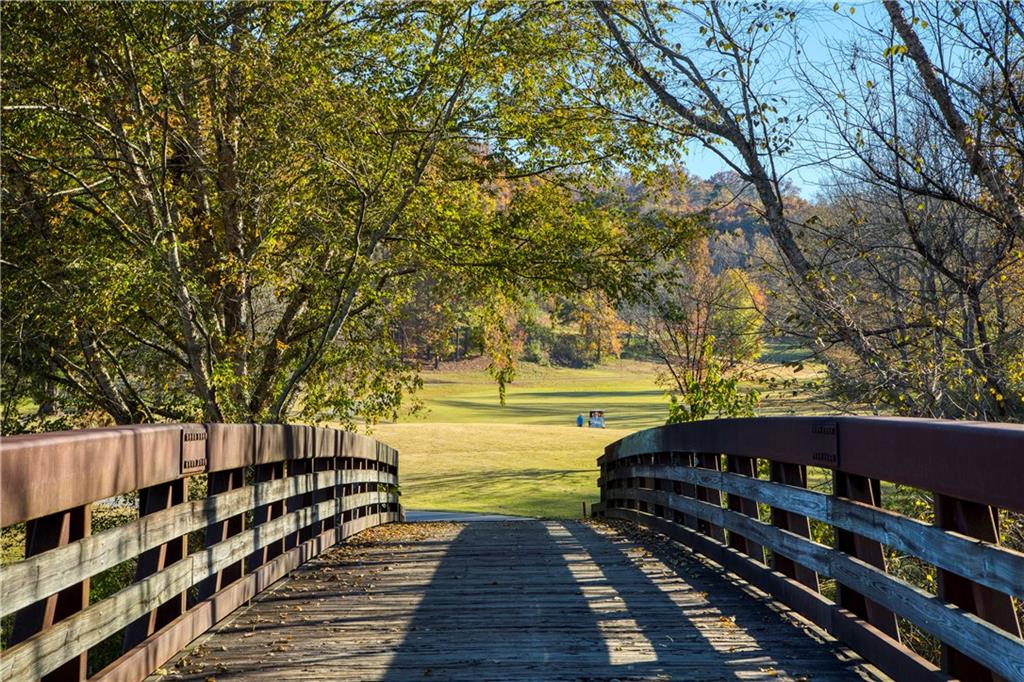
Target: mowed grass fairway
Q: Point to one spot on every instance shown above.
(523, 470)
(549, 396)
(465, 452)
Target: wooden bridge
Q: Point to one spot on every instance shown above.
(243, 551)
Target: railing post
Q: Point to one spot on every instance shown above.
(867, 491)
(42, 534)
(151, 500)
(710, 495)
(684, 489)
(339, 489)
(745, 466)
(982, 522)
(270, 445)
(230, 448)
(217, 483)
(326, 447)
(795, 475)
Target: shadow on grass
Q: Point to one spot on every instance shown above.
(550, 493)
(620, 412)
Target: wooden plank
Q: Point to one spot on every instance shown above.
(893, 658)
(583, 606)
(45, 651)
(711, 495)
(153, 500)
(49, 572)
(794, 475)
(992, 646)
(999, 650)
(997, 567)
(350, 502)
(158, 649)
(981, 522)
(974, 461)
(747, 467)
(220, 482)
(350, 476)
(162, 646)
(46, 473)
(866, 491)
(802, 551)
(783, 439)
(60, 530)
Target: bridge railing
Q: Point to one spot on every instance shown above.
(736, 491)
(276, 496)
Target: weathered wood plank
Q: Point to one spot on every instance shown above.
(999, 650)
(521, 600)
(893, 658)
(44, 652)
(155, 651)
(44, 574)
(991, 565)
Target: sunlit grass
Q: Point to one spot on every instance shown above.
(528, 470)
(465, 452)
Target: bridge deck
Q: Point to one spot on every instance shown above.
(511, 600)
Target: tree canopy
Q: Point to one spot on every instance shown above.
(216, 211)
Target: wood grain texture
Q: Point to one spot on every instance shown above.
(39, 576)
(522, 600)
(998, 649)
(893, 658)
(47, 650)
(997, 567)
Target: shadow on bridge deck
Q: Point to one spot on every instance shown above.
(538, 600)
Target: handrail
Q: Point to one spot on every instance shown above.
(701, 484)
(277, 495)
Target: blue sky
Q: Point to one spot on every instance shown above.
(820, 26)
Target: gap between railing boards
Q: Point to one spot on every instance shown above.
(673, 479)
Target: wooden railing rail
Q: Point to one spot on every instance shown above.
(732, 488)
(276, 496)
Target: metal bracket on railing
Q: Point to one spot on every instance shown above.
(825, 443)
(193, 450)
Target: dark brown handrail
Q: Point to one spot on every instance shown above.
(277, 495)
(701, 483)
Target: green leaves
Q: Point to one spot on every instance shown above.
(712, 395)
(221, 211)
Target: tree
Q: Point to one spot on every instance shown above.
(712, 395)
(214, 212)
(721, 74)
(738, 318)
(919, 251)
(679, 319)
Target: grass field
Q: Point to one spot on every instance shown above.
(464, 452)
(527, 470)
(547, 396)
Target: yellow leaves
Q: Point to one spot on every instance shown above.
(281, 345)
